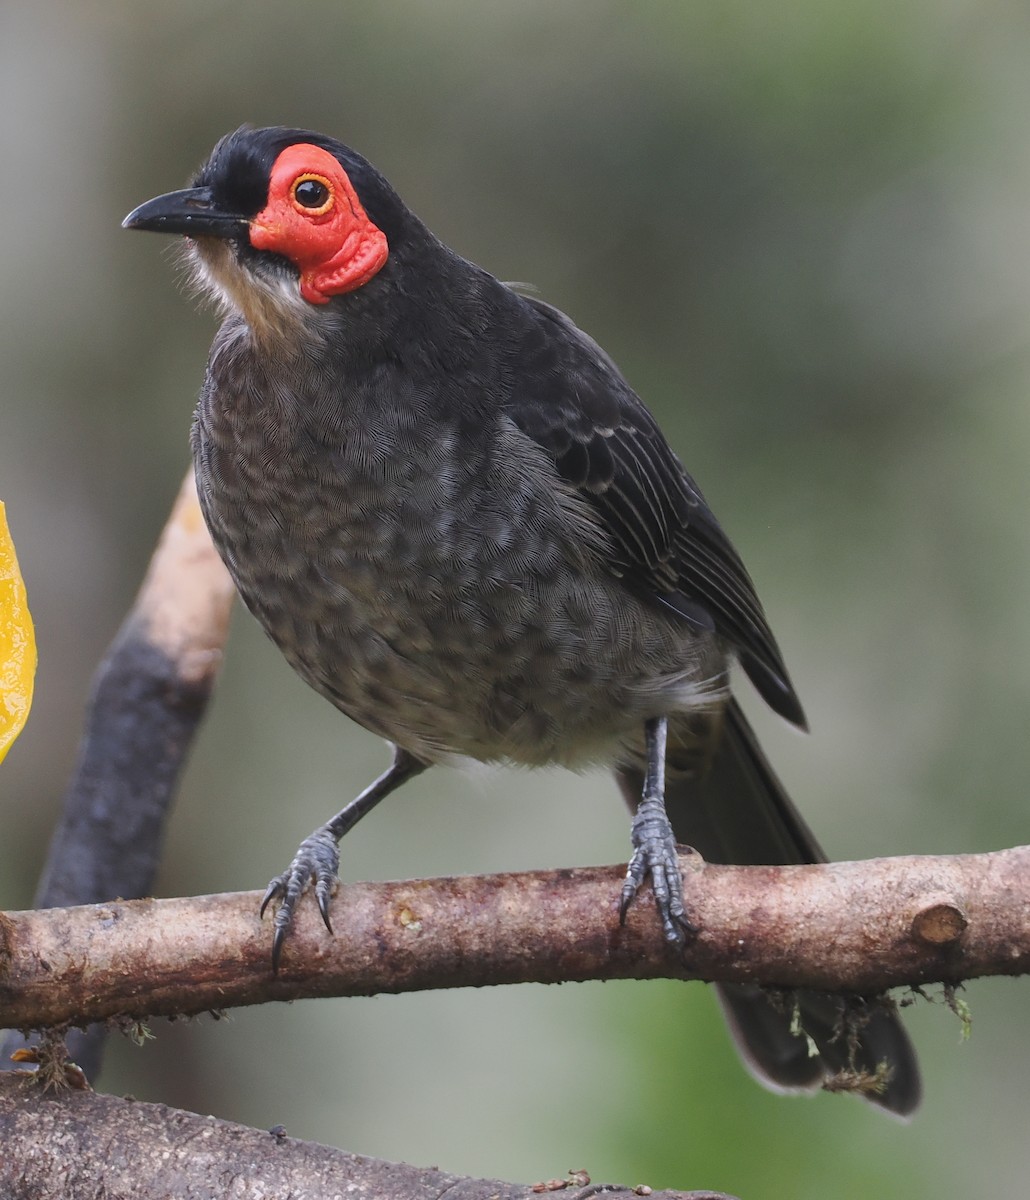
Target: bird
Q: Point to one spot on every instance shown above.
(459, 523)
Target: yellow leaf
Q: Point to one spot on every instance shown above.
(17, 643)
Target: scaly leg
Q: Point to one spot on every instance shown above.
(318, 856)
(654, 844)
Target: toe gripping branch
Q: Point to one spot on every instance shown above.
(317, 860)
(654, 844)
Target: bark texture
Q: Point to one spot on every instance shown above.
(79, 1145)
(858, 927)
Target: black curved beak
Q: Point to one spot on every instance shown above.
(192, 212)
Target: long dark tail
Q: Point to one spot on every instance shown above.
(738, 812)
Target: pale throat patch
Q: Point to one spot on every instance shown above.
(273, 308)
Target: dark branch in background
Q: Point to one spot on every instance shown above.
(79, 1145)
(857, 927)
(149, 695)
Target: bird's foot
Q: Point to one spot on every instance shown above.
(654, 854)
(317, 861)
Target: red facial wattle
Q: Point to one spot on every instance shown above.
(314, 218)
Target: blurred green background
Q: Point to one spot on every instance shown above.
(803, 229)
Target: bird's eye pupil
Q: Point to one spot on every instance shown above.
(311, 193)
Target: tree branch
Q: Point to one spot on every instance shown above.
(80, 1145)
(855, 927)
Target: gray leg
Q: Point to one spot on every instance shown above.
(318, 858)
(654, 844)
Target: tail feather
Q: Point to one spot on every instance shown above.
(736, 811)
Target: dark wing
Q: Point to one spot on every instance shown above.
(665, 539)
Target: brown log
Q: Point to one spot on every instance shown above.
(78, 1145)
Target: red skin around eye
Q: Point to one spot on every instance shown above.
(336, 251)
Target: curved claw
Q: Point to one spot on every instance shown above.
(323, 894)
(274, 889)
(278, 938)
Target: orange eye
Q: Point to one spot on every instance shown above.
(312, 195)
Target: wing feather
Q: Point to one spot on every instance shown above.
(665, 540)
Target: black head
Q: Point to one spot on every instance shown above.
(292, 204)
(238, 171)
